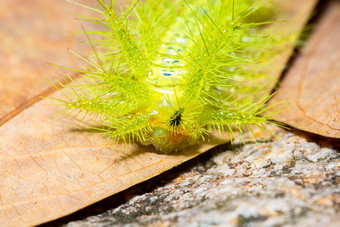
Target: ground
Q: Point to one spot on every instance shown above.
(291, 180)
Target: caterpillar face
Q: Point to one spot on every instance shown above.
(176, 119)
(170, 72)
(169, 125)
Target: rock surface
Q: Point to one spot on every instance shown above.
(288, 181)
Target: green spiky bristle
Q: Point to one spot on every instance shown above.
(168, 73)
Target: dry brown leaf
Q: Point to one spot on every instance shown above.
(34, 33)
(313, 82)
(48, 170)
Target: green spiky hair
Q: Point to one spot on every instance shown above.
(168, 73)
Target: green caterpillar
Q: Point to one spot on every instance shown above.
(168, 73)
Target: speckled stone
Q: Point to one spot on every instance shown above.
(288, 181)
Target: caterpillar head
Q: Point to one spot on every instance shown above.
(166, 141)
(173, 129)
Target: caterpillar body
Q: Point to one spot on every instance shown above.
(167, 73)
